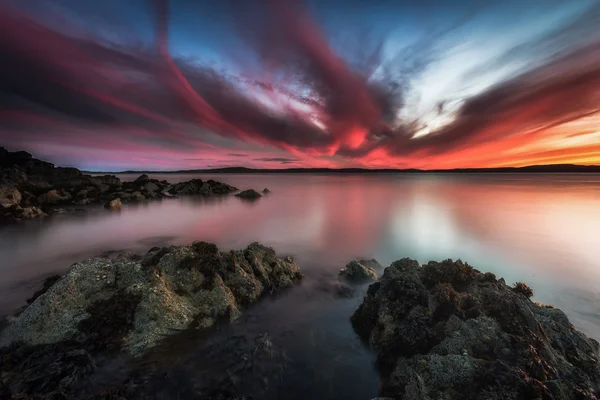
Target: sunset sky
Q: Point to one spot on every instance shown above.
(166, 85)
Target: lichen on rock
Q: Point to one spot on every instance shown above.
(447, 331)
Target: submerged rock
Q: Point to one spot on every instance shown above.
(266, 191)
(249, 194)
(133, 304)
(448, 331)
(357, 272)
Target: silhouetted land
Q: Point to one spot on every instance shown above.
(554, 168)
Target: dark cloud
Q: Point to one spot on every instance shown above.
(237, 155)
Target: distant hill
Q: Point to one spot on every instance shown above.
(553, 168)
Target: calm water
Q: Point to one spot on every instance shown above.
(540, 229)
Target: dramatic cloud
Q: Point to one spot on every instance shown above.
(287, 95)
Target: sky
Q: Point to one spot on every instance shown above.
(187, 84)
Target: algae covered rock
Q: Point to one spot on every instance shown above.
(119, 302)
(447, 331)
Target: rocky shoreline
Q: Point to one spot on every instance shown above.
(442, 330)
(31, 188)
(105, 306)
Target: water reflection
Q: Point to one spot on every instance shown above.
(541, 229)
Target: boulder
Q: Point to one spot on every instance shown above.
(249, 194)
(9, 196)
(115, 204)
(151, 187)
(220, 187)
(357, 272)
(447, 331)
(142, 179)
(114, 303)
(266, 191)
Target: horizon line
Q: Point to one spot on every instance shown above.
(566, 168)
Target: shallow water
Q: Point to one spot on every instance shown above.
(540, 229)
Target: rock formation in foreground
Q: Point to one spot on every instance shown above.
(447, 331)
(104, 306)
(30, 188)
(132, 304)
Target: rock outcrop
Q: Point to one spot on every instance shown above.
(205, 188)
(447, 331)
(31, 188)
(168, 289)
(249, 194)
(104, 306)
(358, 272)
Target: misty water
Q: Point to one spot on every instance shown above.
(542, 229)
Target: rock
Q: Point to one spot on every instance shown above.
(142, 179)
(9, 196)
(109, 303)
(151, 187)
(249, 194)
(447, 331)
(266, 191)
(220, 187)
(115, 204)
(109, 180)
(55, 196)
(356, 272)
(31, 213)
(137, 196)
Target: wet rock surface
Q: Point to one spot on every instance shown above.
(103, 307)
(30, 188)
(447, 331)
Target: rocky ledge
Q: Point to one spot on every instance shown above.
(447, 331)
(30, 188)
(102, 306)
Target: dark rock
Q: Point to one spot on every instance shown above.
(266, 191)
(142, 179)
(448, 331)
(153, 257)
(151, 187)
(249, 194)
(356, 272)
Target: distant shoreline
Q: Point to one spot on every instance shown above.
(556, 168)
